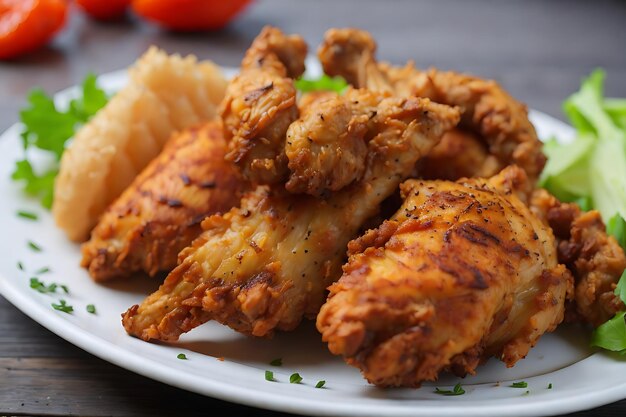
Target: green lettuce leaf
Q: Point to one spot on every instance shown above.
(324, 83)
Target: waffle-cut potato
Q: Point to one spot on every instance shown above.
(165, 93)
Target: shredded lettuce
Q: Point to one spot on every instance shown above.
(594, 165)
(324, 83)
(48, 128)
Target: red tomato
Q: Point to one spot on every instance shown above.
(26, 25)
(188, 15)
(104, 9)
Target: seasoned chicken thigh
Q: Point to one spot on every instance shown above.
(264, 266)
(160, 213)
(463, 271)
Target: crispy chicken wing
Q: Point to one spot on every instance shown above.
(327, 147)
(459, 154)
(595, 259)
(463, 271)
(260, 104)
(160, 213)
(263, 266)
(487, 110)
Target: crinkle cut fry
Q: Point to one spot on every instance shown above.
(264, 266)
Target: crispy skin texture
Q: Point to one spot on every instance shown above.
(267, 264)
(459, 154)
(260, 104)
(487, 110)
(327, 147)
(463, 271)
(595, 259)
(160, 213)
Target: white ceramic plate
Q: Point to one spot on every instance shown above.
(580, 378)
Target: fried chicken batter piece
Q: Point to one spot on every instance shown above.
(463, 271)
(160, 213)
(595, 259)
(487, 110)
(267, 264)
(327, 146)
(260, 104)
(459, 154)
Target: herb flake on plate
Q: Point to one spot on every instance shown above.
(27, 215)
(269, 376)
(295, 378)
(33, 246)
(182, 356)
(91, 309)
(519, 384)
(63, 307)
(457, 390)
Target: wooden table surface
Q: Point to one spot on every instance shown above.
(539, 50)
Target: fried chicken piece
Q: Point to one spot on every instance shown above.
(459, 154)
(487, 110)
(267, 264)
(260, 104)
(160, 213)
(595, 259)
(327, 146)
(463, 271)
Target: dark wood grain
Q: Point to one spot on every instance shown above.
(539, 50)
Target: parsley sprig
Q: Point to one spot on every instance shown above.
(48, 128)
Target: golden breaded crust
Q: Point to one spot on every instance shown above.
(165, 93)
(160, 213)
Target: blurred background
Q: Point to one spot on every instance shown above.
(538, 50)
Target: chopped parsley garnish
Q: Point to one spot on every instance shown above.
(277, 362)
(27, 215)
(48, 128)
(182, 356)
(457, 390)
(41, 287)
(320, 384)
(324, 83)
(63, 306)
(91, 308)
(520, 384)
(295, 378)
(550, 385)
(269, 376)
(34, 246)
(20, 266)
(43, 270)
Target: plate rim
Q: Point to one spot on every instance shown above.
(224, 390)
